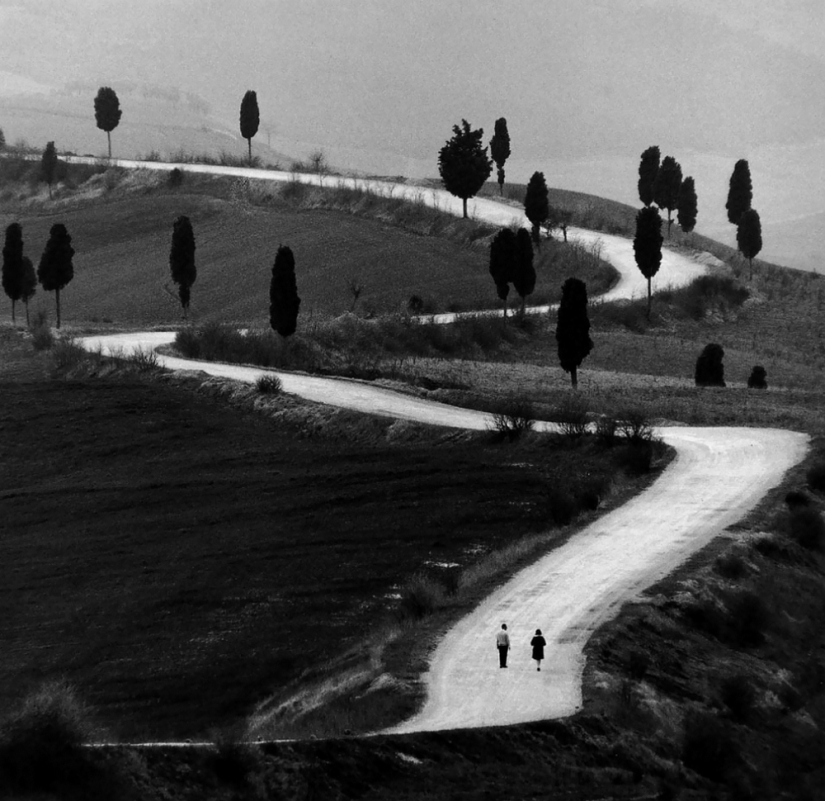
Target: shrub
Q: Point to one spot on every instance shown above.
(637, 456)
(634, 425)
(561, 506)
(232, 759)
(731, 566)
(757, 378)
(708, 291)
(795, 500)
(514, 418)
(41, 745)
(269, 384)
(747, 620)
(710, 372)
(638, 663)
(67, 353)
(571, 415)
(421, 596)
(708, 747)
(807, 527)
(145, 359)
(606, 429)
(176, 177)
(415, 305)
(738, 695)
(816, 477)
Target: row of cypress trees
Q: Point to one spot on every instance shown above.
(54, 271)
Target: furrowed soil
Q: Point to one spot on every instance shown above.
(179, 559)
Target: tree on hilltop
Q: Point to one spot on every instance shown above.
(648, 170)
(28, 285)
(284, 302)
(573, 328)
(502, 263)
(740, 191)
(666, 187)
(688, 205)
(749, 236)
(107, 112)
(524, 274)
(48, 165)
(463, 164)
(647, 245)
(250, 118)
(500, 150)
(536, 204)
(56, 269)
(13, 265)
(182, 260)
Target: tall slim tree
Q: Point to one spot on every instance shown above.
(56, 269)
(13, 265)
(648, 170)
(250, 118)
(182, 260)
(500, 150)
(740, 191)
(536, 204)
(666, 187)
(749, 236)
(502, 263)
(647, 245)
(107, 112)
(48, 165)
(573, 328)
(284, 302)
(463, 164)
(524, 275)
(688, 206)
(29, 285)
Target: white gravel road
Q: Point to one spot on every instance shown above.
(718, 476)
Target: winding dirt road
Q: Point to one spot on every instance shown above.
(718, 476)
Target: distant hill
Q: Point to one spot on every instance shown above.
(155, 119)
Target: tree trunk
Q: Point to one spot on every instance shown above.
(648, 299)
(505, 309)
(464, 199)
(27, 314)
(564, 231)
(523, 301)
(669, 223)
(249, 142)
(50, 190)
(57, 298)
(13, 321)
(574, 378)
(109, 137)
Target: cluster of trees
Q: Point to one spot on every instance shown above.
(54, 271)
(710, 370)
(661, 182)
(511, 262)
(742, 215)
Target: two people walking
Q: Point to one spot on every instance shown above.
(503, 645)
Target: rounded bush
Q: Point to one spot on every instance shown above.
(757, 378)
(816, 477)
(710, 372)
(807, 527)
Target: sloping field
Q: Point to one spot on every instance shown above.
(122, 260)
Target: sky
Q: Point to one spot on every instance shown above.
(585, 85)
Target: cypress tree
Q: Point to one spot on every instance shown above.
(749, 236)
(524, 274)
(536, 204)
(573, 328)
(648, 170)
(13, 265)
(666, 187)
(29, 284)
(647, 245)
(463, 164)
(284, 302)
(740, 191)
(48, 165)
(182, 260)
(107, 112)
(56, 270)
(502, 263)
(688, 205)
(500, 150)
(250, 118)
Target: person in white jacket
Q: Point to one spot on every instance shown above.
(503, 645)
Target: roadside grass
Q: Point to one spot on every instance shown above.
(180, 550)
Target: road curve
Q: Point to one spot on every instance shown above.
(717, 477)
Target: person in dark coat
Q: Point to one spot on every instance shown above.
(538, 642)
